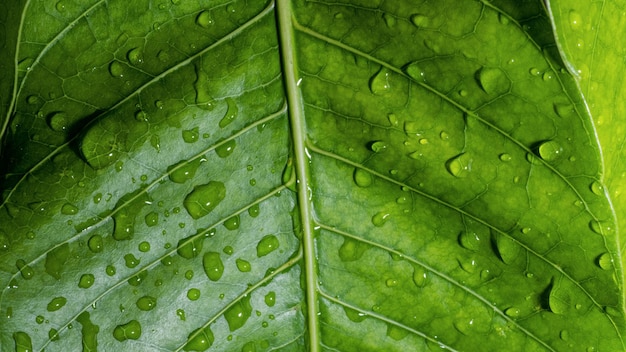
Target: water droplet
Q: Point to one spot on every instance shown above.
(492, 80)
(469, 240)
(135, 56)
(550, 151)
(380, 83)
(193, 294)
(204, 19)
(558, 301)
(138, 278)
(513, 312)
(508, 249)
(39, 319)
(110, 270)
(420, 21)
(600, 227)
(267, 245)
(380, 218)
(181, 314)
(60, 6)
(232, 223)
(95, 243)
(69, 209)
(231, 113)
(243, 266)
(144, 246)
(103, 143)
(190, 247)
(503, 18)
(58, 121)
(419, 276)
(378, 146)
(199, 340)
(213, 265)
(192, 135)
(414, 71)
(270, 299)
(131, 261)
(86, 281)
(204, 198)
(597, 188)
(575, 20)
(55, 260)
(468, 264)
(56, 304)
(564, 335)
(128, 331)
(25, 270)
(146, 303)
(605, 261)
(22, 341)
(393, 119)
(151, 219)
(460, 166)
(505, 157)
(53, 335)
(183, 170)
(362, 178)
(391, 282)
(534, 71)
(237, 315)
(226, 148)
(352, 250)
(116, 69)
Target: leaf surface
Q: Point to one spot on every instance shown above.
(305, 175)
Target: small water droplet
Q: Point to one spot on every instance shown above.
(25, 270)
(55, 260)
(128, 331)
(116, 69)
(391, 282)
(597, 188)
(460, 166)
(151, 219)
(267, 245)
(605, 261)
(469, 240)
(505, 157)
(86, 280)
(468, 264)
(534, 71)
(415, 71)
(503, 18)
(492, 80)
(237, 315)
(191, 135)
(550, 151)
(380, 83)
(575, 20)
(190, 247)
(146, 303)
(189, 274)
(95, 243)
(56, 304)
(60, 6)
(601, 227)
(181, 314)
(204, 198)
(419, 276)
(513, 312)
(131, 261)
(135, 56)
(144, 246)
(243, 265)
(213, 265)
(231, 113)
(389, 19)
(270, 299)
(380, 218)
(69, 209)
(362, 178)
(193, 294)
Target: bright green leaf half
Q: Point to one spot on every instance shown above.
(309, 175)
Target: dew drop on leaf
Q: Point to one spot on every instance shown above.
(110, 270)
(22, 341)
(243, 265)
(267, 245)
(237, 315)
(232, 223)
(204, 198)
(55, 260)
(135, 56)
(362, 178)
(226, 148)
(249, 347)
(352, 250)
(25, 270)
(191, 135)
(193, 294)
(146, 303)
(505, 157)
(575, 20)
(419, 276)
(151, 219)
(512, 312)
(144, 246)
(69, 209)
(415, 72)
(204, 19)
(56, 304)
(605, 261)
(389, 19)
(128, 331)
(597, 188)
(231, 113)
(95, 243)
(550, 151)
(492, 80)
(130, 260)
(58, 121)
(380, 84)
(254, 210)
(270, 298)
(213, 265)
(460, 166)
(380, 218)
(420, 21)
(378, 146)
(508, 249)
(86, 281)
(354, 315)
(469, 240)
(468, 264)
(199, 340)
(190, 247)
(116, 69)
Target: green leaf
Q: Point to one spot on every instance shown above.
(310, 175)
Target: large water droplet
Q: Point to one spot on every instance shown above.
(22, 341)
(237, 315)
(352, 250)
(146, 303)
(128, 331)
(550, 151)
(492, 80)
(183, 170)
(267, 245)
(378, 146)
(55, 260)
(86, 280)
(204, 19)
(213, 265)
(558, 300)
(605, 261)
(270, 298)
(204, 198)
(89, 332)
(151, 219)
(69, 209)
(380, 83)
(25, 270)
(231, 113)
(354, 315)
(103, 143)
(56, 304)
(460, 166)
(190, 247)
(193, 294)
(597, 188)
(199, 340)
(226, 148)
(512, 312)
